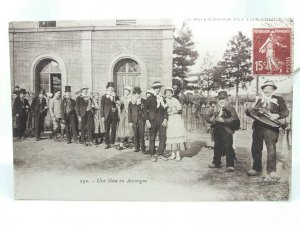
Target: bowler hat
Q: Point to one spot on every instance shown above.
(137, 90)
(67, 88)
(222, 95)
(269, 83)
(43, 92)
(110, 84)
(157, 84)
(23, 91)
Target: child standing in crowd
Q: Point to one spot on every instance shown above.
(124, 131)
(99, 124)
(176, 135)
(137, 119)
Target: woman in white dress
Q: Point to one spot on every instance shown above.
(176, 135)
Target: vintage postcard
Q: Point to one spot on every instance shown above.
(152, 110)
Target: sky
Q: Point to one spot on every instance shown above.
(213, 36)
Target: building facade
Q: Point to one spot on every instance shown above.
(51, 54)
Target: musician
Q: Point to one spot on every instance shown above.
(276, 109)
(85, 116)
(224, 121)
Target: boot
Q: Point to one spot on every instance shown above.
(54, 135)
(178, 156)
(96, 139)
(62, 132)
(172, 155)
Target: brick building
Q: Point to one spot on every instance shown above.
(52, 54)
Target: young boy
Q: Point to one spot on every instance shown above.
(137, 119)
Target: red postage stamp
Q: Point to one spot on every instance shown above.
(272, 51)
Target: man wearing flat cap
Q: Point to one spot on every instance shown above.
(276, 109)
(156, 120)
(224, 121)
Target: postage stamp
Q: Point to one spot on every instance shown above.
(272, 51)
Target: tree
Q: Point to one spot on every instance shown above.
(236, 64)
(206, 82)
(184, 54)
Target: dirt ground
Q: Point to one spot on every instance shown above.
(56, 170)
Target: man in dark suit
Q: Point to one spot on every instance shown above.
(109, 114)
(137, 119)
(85, 116)
(69, 117)
(39, 110)
(224, 121)
(21, 108)
(156, 120)
(276, 108)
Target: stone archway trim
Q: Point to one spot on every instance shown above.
(117, 58)
(58, 59)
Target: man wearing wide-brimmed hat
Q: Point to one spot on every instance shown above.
(224, 122)
(69, 116)
(39, 109)
(109, 114)
(276, 108)
(156, 120)
(85, 116)
(21, 108)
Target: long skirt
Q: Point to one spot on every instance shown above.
(176, 134)
(124, 130)
(99, 126)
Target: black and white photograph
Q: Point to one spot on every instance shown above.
(160, 108)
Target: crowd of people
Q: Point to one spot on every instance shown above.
(92, 119)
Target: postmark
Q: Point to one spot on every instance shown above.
(272, 51)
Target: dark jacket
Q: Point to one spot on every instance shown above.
(68, 107)
(137, 113)
(154, 113)
(21, 107)
(81, 106)
(38, 106)
(107, 106)
(229, 115)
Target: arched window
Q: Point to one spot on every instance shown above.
(47, 76)
(126, 72)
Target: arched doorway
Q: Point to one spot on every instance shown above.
(48, 76)
(126, 72)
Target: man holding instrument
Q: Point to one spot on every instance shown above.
(271, 108)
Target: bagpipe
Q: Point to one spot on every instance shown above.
(233, 125)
